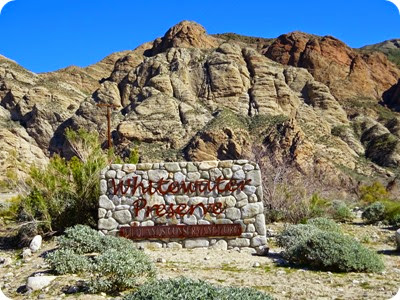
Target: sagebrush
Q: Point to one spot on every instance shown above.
(322, 246)
(189, 289)
(113, 262)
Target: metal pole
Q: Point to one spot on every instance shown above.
(109, 106)
(109, 126)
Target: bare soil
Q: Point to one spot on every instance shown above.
(265, 273)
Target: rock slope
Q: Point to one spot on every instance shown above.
(309, 100)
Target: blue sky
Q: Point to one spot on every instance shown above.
(45, 35)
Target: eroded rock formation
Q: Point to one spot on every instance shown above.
(309, 100)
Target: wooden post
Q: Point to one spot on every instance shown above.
(108, 106)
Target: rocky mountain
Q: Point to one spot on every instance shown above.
(307, 100)
(390, 48)
(33, 106)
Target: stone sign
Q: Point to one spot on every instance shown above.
(216, 204)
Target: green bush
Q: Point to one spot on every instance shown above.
(9, 209)
(117, 243)
(395, 221)
(33, 207)
(321, 245)
(335, 252)
(66, 192)
(340, 211)
(133, 157)
(382, 207)
(189, 289)
(373, 193)
(292, 235)
(324, 224)
(115, 264)
(64, 261)
(374, 213)
(295, 234)
(392, 211)
(118, 270)
(82, 239)
(317, 206)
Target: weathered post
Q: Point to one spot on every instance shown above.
(109, 106)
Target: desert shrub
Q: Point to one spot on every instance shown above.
(395, 221)
(25, 233)
(340, 212)
(334, 252)
(81, 239)
(10, 208)
(392, 211)
(33, 207)
(373, 193)
(340, 130)
(317, 206)
(288, 194)
(189, 289)
(133, 157)
(66, 192)
(117, 243)
(295, 234)
(381, 207)
(321, 245)
(64, 261)
(114, 264)
(117, 270)
(374, 213)
(324, 224)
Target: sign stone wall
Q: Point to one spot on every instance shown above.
(215, 204)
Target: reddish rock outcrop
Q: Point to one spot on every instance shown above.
(349, 73)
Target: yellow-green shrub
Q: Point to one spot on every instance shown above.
(9, 209)
(379, 198)
(373, 193)
(66, 192)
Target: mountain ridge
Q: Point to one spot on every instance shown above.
(308, 100)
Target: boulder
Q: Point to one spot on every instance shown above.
(3, 297)
(35, 283)
(36, 243)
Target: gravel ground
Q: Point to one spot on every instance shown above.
(266, 273)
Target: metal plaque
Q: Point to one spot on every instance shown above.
(181, 231)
